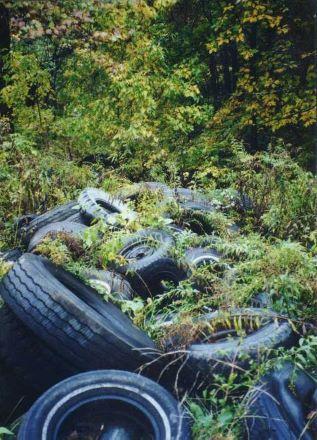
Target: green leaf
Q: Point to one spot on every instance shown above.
(5, 431)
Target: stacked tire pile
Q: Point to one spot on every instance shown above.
(60, 338)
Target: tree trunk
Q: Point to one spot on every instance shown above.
(4, 50)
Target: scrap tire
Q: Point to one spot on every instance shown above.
(148, 407)
(71, 318)
(97, 204)
(71, 229)
(11, 256)
(112, 282)
(58, 214)
(147, 265)
(36, 366)
(276, 412)
(224, 354)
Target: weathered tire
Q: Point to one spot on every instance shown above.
(194, 215)
(71, 318)
(149, 263)
(95, 403)
(196, 257)
(97, 204)
(58, 214)
(111, 282)
(22, 223)
(205, 359)
(200, 256)
(71, 229)
(28, 358)
(11, 255)
(279, 406)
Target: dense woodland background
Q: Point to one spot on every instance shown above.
(213, 94)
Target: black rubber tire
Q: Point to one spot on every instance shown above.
(22, 223)
(53, 416)
(200, 256)
(97, 204)
(11, 256)
(149, 263)
(36, 366)
(276, 412)
(205, 359)
(71, 229)
(196, 257)
(58, 214)
(71, 318)
(113, 283)
(194, 216)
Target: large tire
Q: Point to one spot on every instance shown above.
(94, 403)
(28, 358)
(279, 406)
(11, 256)
(112, 283)
(71, 229)
(22, 223)
(58, 214)
(71, 318)
(224, 350)
(149, 263)
(97, 204)
(197, 257)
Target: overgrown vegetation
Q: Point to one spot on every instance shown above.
(217, 96)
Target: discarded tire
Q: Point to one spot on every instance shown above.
(196, 257)
(36, 366)
(11, 255)
(58, 214)
(110, 282)
(194, 215)
(279, 406)
(72, 319)
(22, 223)
(218, 345)
(149, 263)
(70, 229)
(98, 204)
(98, 403)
